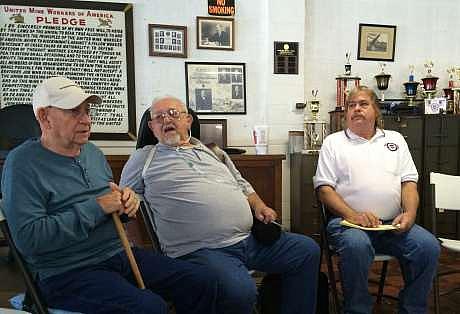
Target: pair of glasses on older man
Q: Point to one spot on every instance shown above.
(170, 113)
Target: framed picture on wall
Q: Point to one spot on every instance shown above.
(214, 33)
(216, 88)
(376, 42)
(214, 131)
(167, 40)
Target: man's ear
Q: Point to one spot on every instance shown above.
(189, 118)
(150, 124)
(42, 117)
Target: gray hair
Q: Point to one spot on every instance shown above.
(161, 98)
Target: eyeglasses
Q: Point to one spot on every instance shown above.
(353, 104)
(170, 113)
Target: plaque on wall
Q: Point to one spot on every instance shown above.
(286, 57)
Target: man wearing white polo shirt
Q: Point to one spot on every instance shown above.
(366, 175)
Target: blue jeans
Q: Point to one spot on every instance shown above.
(294, 256)
(417, 251)
(110, 287)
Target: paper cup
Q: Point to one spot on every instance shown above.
(260, 134)
(261, 149)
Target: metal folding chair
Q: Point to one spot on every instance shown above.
(444, 189)
(329, 252)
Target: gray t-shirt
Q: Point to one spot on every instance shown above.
(197, 201)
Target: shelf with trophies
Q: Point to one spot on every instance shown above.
(431, 130)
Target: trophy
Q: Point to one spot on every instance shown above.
(451, 72)
(429, 82)
(315, 130)
(456, 91)
(449, 92)
(382, 80)
(348, 64)
(411, 86)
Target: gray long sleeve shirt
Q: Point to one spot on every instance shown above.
(197, 201)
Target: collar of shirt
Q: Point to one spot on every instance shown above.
(356, 138)
(195, 144)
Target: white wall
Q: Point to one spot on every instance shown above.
(325, 29)
(425, 31)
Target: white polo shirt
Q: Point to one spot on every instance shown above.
(367, 174)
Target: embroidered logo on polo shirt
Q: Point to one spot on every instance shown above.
(392, 146)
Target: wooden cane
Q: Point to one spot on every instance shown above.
(129, 252)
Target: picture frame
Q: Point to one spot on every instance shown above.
(214, 131)
(215, 33)
(216, 87)
(376, 42)
(167, 41)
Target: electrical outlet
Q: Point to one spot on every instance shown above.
(297, 107)
(300, 105)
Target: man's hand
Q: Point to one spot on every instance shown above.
(120, 201)
(405, 221)
(365, 219)
(265, 214)
(130, 202)
(111, 202)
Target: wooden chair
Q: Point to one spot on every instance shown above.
(329, 252)
(444, 189)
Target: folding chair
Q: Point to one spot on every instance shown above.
(329, 251)
(17, 123)
(444, 189)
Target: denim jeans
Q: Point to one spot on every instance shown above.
(110, 287)
(294, 256)
(417, 251)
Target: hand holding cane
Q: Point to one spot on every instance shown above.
(124, 241)
(129, 252)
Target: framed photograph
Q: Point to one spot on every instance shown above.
(216, 88)
(167, 40)
(214, 131)
(376, 42)
(214, 33)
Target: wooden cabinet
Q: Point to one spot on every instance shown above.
(304, 211)
(441, 154)
(434, 143)
(264, 172)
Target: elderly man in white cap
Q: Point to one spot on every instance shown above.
(58, 197)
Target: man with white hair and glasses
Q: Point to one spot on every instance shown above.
(202, 213)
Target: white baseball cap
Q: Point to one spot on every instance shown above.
(62, 93)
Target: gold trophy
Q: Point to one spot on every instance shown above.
(449, 92)
(347, 64)
(456, 89)
(315, 130)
